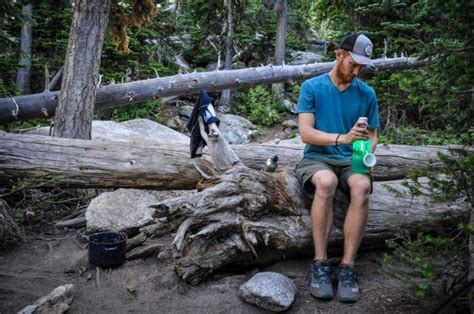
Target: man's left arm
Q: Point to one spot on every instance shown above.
(373, 139)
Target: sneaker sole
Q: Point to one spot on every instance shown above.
(347, 300)
(325, 298)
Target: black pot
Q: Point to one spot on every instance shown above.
(107, 249)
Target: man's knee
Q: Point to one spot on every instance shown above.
(359, 186)
(325, 182)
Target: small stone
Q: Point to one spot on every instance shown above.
(185, 111)
(164, 255)
(69, 270)
(175, 123)
(292, 124)
(269, 290)
(131, 289)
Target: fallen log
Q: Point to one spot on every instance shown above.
(58, 301)
(72, 223)
(44, 104)
(48, 161)
(241, 215)
(246, 216)
(252, 217)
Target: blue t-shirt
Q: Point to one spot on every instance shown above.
(336, 112)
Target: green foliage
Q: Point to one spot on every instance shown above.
(260, 107)
(428, 263)
(455, 179)
(151, 52)
(295, 92)
(412, 135)
(433, 97)
(6, 90)
(51, 23)
(146, 110)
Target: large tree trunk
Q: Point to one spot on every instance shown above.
(24, 70)
(281, 11)
(225, 101)
(52, 161)
(73, 117)
(44, 104)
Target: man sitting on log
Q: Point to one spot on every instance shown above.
(328, 110)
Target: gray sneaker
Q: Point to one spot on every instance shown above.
(321, 287)
(347, 288)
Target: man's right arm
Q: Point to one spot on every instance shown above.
(311, 135)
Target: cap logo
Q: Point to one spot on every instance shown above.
(368, 50)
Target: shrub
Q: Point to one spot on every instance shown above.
(258, 105)
(140, 111)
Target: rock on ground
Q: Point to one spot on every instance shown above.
(270, 291)
(121, 210)
(236, 130)
(137, 129)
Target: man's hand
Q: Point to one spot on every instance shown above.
(358, 132)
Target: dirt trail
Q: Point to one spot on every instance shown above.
(45, 261)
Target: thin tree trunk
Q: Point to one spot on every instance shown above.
(226, 95)
(73, 117)
(282, 13)
(24, 65)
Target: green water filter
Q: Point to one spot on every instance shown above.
(362, 157)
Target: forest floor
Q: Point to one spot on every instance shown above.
(50, 257)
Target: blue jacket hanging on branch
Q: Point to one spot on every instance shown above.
(204, 108)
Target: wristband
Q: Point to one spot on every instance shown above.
(337, 137)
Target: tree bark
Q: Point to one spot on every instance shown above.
(48, 161)
(225, 101)
(24, 69)
(280, 47)
(57, 301)
(73, 118)
(252, 217)
(44, 104)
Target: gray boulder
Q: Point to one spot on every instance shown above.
(291, 141)
(236, 130)
(269, 290)
(137, 129)
(120, 210)
(304, 57)
(186, 111)
(289, 105)
(176, 123)
(291, 124)
(182, 63)
(126, 209)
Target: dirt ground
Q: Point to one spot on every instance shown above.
(50, 258)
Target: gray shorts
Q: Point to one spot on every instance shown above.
(308, 167)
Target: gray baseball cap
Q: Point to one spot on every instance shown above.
(360, 48)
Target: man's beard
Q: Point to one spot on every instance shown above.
(345, 78)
